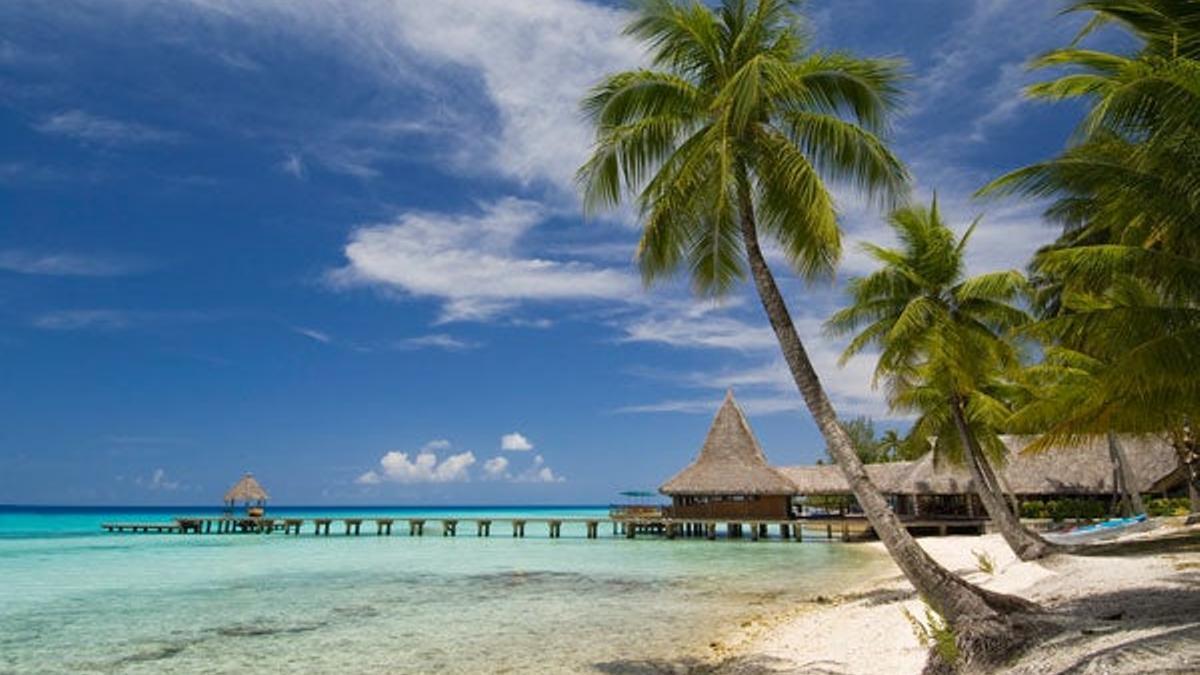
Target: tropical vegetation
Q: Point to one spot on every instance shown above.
(1121, 286)
(943, 350)
(734, 134)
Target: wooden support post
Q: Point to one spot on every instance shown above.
(829, 531)
(615, 528)
(592, 527)
(710, 531)
(519, 528)
(798, 531)
(845, 530)
(784, 532)
(555, 529)
(630, 530)
(671, 530)
(755, 531)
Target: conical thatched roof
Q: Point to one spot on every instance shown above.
(246, 490)
(730, 462)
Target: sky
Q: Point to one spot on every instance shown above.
(338, 244)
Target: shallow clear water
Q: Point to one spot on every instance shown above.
(73, 599)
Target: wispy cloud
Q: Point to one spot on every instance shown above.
(68, 264)
(313, 334)
(89, 128)
(471, 263)
(111, 319)
(293, 165)
(698, 325)
(442, 341)
(158, 481)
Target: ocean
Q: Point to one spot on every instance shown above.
(74, 599)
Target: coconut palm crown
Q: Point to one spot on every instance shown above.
(737, 120)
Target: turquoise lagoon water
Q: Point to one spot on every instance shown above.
(76, 600)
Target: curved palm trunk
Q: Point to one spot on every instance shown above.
(1026, 544)
(1126, 480)
(1189, 459)
(970, 609)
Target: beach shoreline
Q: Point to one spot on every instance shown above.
(1124, 613)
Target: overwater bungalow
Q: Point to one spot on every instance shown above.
(730, 478)
(249, 493)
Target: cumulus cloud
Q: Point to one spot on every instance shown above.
(88, 128)
(515, 442)
(538, 472)
(496, 467)
(422, 467)
(470, 263)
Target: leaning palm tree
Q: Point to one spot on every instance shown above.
(942, 349)
(730, 136)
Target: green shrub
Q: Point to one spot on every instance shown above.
(1173, 506)
(1065, 509)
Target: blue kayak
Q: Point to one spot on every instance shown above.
(1103, 530)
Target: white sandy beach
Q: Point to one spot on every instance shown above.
(1127, 614)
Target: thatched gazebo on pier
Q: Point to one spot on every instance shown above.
(249, 492)
(730, 478)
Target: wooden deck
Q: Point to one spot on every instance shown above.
(844, 528)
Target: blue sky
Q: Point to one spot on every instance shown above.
(337, 244)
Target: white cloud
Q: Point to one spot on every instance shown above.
(83, 126)
(113, 319)
(470, 263)
(698, 325)
(515, 442)
(538, 472)
(293, 165)
(78, 319)
(532, 61)
(313, 334)
(158, 481)
(496, 467)
(422, 467)
(67, 264)
(435, 341)
(767, 386)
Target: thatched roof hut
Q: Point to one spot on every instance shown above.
(247, 490)
(1080, 469)
(730, 462)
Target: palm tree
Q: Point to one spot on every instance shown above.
(1127, 194)
(891, 446)
(942, 350)
(731, 135)
(1068, 402)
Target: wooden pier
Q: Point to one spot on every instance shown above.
(842, 528)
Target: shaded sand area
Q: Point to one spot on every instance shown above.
(1132, 607)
